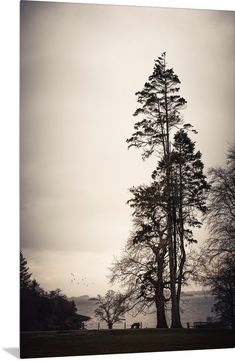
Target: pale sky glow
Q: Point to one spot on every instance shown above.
(80, 68)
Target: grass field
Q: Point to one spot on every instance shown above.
(72, 343)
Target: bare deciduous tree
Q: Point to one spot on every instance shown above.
(112, 307)
(141, 269)
(218, 255)
(221, 208)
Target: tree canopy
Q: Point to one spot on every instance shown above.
(41, 310)
(176, 196)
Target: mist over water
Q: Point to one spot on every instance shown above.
(193, 309)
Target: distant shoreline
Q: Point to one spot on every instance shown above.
(183, 294)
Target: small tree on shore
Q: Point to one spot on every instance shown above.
(112, 307)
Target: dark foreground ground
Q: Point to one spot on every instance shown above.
(72, 343)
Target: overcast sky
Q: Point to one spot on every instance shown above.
(80, 68)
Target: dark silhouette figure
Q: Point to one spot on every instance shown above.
(135, 325)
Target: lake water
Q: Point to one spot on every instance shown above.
(193, 309)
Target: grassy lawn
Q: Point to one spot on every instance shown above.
(72, 343)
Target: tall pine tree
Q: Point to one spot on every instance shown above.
(160, 111)
(189, 188)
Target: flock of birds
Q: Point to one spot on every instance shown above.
(82, 281)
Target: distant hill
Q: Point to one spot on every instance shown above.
(195, 293)
(82, 298)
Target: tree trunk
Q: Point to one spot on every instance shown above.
(161, 317)
(110, 325)
(159, 297)
(175, 317)
(181, 235)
